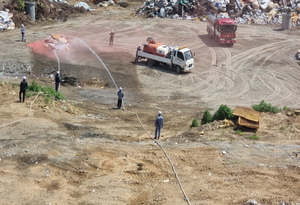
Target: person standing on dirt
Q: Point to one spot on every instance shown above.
(23, 88)
(120, 97)
(159, 123)
(23, 32)
(111, 38)
(136, 54)
(57, 81)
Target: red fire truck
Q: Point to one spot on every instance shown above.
(222, 30)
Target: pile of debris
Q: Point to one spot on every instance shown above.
(6, 21)
(243, 11)
(14, 14)
(56, 42)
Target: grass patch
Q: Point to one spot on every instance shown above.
(239, 132)
(48, 93)
(254, 137)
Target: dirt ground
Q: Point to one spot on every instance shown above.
(84, 151)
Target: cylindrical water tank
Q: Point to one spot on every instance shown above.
(286, 21)
(30, 9)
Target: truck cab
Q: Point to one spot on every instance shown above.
(183, 58)
(222, 30)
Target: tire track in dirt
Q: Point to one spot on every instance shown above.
(266, 52)
(243, 76)
(240, 65)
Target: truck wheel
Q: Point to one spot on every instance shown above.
(151, 62)
(178, 69)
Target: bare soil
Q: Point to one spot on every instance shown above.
(84, 151)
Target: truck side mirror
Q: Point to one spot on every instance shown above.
(194, 54)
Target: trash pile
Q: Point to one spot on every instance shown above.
(243, 11)
(6, 21)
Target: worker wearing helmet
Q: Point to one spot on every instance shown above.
(159, 123)
(120, 97)
(23, 88)
(23, 32)
(57, 81)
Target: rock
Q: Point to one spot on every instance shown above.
(123, 4)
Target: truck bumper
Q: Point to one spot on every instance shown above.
(227, 41)
(188, 68)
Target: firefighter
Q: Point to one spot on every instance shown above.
(23, 88)
(120, 97)
(23, 32)
(57, 81)
(159, 123)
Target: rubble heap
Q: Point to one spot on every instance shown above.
(244, 11)
(6, 21)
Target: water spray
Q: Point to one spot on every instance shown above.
(58, 63)
(98, 59)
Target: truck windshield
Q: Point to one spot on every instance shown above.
(227, 29)
(188, 55)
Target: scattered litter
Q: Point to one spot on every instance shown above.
(251, 202)
(84, 5)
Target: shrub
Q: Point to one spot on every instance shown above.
(224, 112)
(207, 117)
(254, 137)
(20, 4)
(265, 107)
(48, 93)
(195, 123)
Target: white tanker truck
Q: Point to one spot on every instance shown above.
(181, 59)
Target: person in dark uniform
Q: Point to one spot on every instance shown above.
(136, 54)
(159, 123)
(57, 81)
(23, 88)
(120, 97)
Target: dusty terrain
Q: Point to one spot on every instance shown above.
(91, 153)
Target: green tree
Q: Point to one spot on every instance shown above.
(195, 123)
(207, 117)
(224, 112)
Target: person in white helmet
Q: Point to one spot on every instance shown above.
(159, 123)
(57, 81)
(23, 32)
(23, 88)
(120, 97)
(111, 37)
